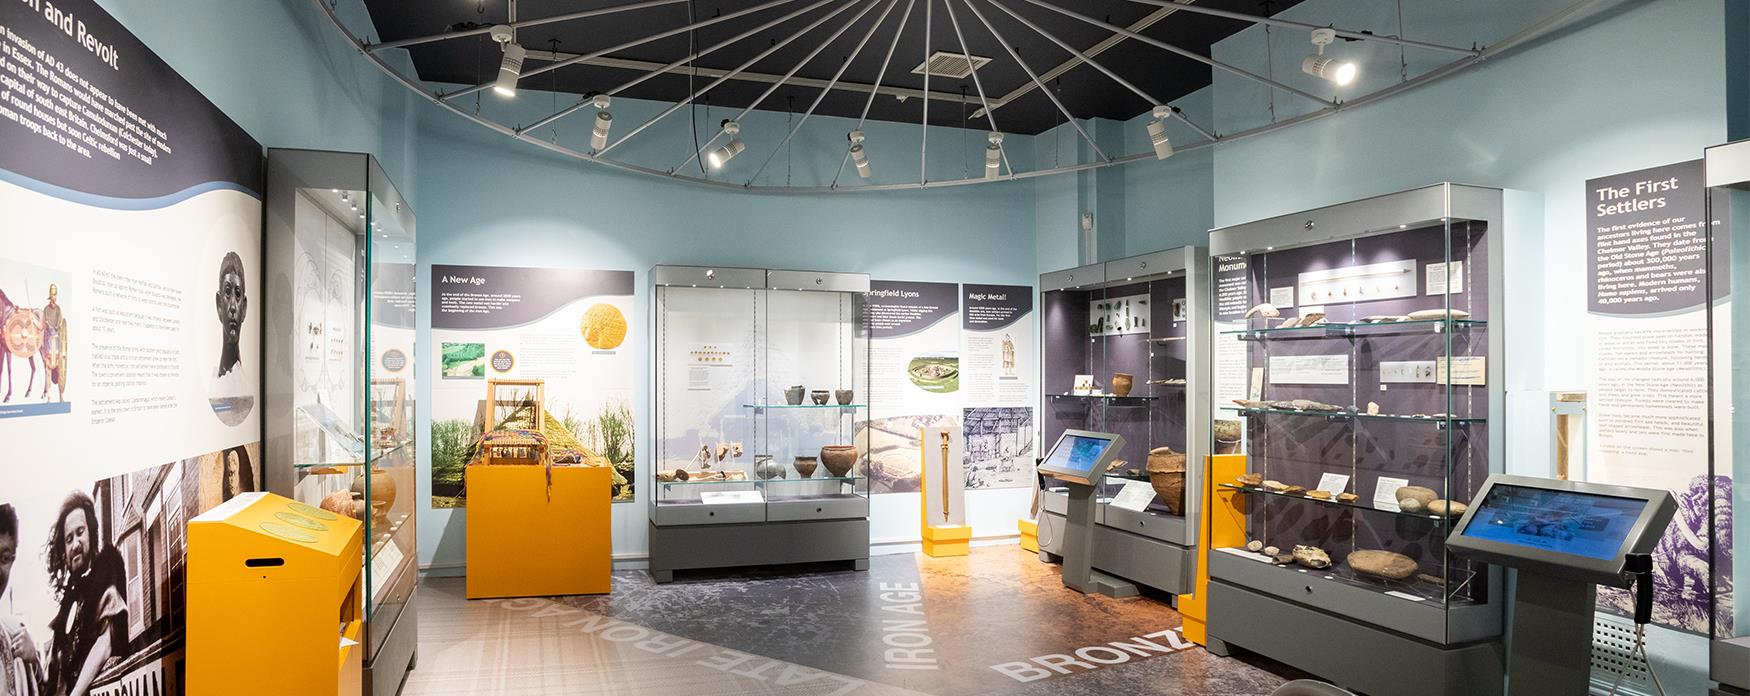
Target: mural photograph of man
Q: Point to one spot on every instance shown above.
(90, 583)
(20, 666)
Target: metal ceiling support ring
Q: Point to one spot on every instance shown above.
(373, 52)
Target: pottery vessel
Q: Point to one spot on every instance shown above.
(766, 469)
(1121, 382)
(818, 396)
(839, 459)
(805, 466)
(793, 395)
(1166, 473)
(1227, 437)
(843, 396)
(382, 488)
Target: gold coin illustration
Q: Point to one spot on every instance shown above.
(604, 327)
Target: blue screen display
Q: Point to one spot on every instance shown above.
(1076, 455)
(1582, 524)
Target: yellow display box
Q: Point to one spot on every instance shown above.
(273, 599)
(529, 539)
(1223, 525)
(1029, 534)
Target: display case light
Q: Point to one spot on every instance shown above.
(1340, 72)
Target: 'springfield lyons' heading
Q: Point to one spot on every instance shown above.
(75, 29)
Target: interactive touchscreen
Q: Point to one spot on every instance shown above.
(1582, 524)
(1076, 455)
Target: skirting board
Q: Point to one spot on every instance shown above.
(641, 561)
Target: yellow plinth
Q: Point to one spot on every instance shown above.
(273, 589)
(953, 540)
(1223, 524)
(1029, 534)
(525, 540)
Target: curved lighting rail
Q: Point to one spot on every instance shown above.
(1466, 57)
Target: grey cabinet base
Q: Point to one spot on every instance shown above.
(690, 547)
(1143, 560)
(1350, 654)
(395, 657)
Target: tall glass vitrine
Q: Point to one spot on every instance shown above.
(1358, 378)
(340, 382)
(761, 400)
(1124, 346)
(1728, 212)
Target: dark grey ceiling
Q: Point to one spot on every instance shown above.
(1084, 90)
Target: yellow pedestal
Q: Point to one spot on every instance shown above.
(527, 541)
(947, 541)
(273, 589)
(1223, 525)
(1029, 534)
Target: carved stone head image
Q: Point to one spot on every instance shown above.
(233, 306)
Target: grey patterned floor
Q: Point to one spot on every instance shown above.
(995, 622)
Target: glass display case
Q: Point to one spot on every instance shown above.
(1358, 372)
(1728, 210)
(1124, 345)
(341, 380)
(761, 383)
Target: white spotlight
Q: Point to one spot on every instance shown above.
(728, 152)
(1341, 72)
(598, 138)
(510, 69)
(993, 156)
(858, 157)
(1157, 132)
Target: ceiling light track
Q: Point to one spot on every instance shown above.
(1345, 33)
(567, 17)
(1536, 31)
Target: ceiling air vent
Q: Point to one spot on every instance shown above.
(953, 65)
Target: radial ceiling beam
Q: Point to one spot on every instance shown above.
(569, 16)
(977, 83)
(843, 65)
(897, 34)
(573, 60)
(1345, 33)
(1175, 50)
(1108, 71)
(744, 66)
(1035, 78)
(901, 93)
(1068, 65)
(793, 70)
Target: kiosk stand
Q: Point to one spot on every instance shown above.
(1079, 460)
(1565, 538)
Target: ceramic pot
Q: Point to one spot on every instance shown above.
(1121, 384)
(793, 395)
(818, 396)
(1166, 473)
(766, 469)
(839, 459)
(1227, 437)
(843, 396)
(805, 466)
(382, 488)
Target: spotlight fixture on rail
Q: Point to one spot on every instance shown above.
(510, 69)
(1341, 72)
(722, 155)
(858, 156)
(993, 156)
(1157, 132)
(598, 137)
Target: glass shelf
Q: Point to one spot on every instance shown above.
(380, 454)
(1115, 400)
(1352, 415)
(1358, 504)
(1415, 588)
(756, 481)
(1350, 330)
(788, 406)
